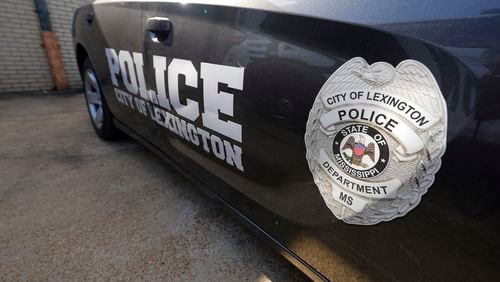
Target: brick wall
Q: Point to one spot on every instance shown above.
(23, 63)
(61, 17)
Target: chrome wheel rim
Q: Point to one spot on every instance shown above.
(93, 95)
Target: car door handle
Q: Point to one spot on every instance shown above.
(90, 18)
(158, 28)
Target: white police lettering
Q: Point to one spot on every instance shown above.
(374, 139)
(183, 67)
(139, 69)
(113, 64)
(174, 110)
(218, 101)
(127, 70)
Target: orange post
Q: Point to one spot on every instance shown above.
(51, 46)
(55, 60)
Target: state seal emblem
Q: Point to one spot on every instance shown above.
(374, 139)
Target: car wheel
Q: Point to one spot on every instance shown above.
(98, 109)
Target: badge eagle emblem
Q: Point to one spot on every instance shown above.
(359, 150)
(374, 138)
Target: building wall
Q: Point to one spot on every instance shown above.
(61, 16)
(23, 63)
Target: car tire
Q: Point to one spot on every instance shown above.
(100, 115)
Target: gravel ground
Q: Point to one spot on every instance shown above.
(73, 207)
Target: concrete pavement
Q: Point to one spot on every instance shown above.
(74, 207)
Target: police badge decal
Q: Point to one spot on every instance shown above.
(374, 138)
